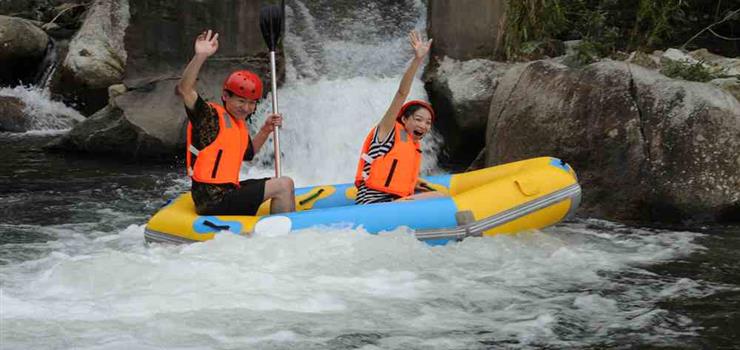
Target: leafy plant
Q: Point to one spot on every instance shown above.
(609, 26)
(688, 71)
(530, 21)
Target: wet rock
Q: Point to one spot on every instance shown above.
(12, 115)
(105, 132)
(646, 147)
(95, 57)
(22, 48)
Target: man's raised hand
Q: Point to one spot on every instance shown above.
(206, 43)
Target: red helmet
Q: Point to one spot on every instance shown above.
(245, 84)
(412, 103)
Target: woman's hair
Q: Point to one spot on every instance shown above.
(410, 110)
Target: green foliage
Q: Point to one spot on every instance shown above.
(530, 21)
(688, 71)
(655, 22)
(607, 26)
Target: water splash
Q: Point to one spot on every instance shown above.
(571, 286)
(44, 113)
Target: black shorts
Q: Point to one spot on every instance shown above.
(244, 200)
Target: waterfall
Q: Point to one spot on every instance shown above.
(344, 63)
(48, 65)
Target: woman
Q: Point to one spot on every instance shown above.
(390, 161)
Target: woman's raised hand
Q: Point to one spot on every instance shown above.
(420, 47)
(206, 43)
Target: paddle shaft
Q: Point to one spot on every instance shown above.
(276, 132)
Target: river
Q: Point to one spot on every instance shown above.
(75, 272)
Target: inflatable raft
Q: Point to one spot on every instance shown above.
(508, 198)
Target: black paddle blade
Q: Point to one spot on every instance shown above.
(271, 24)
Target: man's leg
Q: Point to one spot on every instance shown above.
(282, 192)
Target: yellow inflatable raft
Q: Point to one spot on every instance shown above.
(508, 198)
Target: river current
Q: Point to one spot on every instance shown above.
(75, 272)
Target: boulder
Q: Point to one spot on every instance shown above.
(646, 148)
(95, 56)
(136, 124)
(22, 49)
(461, 93)
(12, 115)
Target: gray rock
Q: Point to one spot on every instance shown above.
(731, 85)
(643, 59)
(457, 35)
(645, 147)
(12, 115)
(461, 93)
(22, 48)
(105, 132)
(143, 122)
(726, 66)
(96, 56)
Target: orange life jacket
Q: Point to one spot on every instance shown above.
(220, 161)
(395, 172)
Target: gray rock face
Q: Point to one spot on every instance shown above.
(466, 30)
(22, 48)
(161, 35)
(461, 92)
(12, 117)
(96, 56)
(645, 147)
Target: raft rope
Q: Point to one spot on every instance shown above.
(477, 228)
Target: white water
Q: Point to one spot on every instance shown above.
(570, 286)
(46, 116)
(340, 81)
(97, 287)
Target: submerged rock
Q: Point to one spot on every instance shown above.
(12, 115)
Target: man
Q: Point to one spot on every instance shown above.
(218, 141)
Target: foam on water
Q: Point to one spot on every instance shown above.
(46, 116)
(565, 286)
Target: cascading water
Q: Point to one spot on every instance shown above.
(74, 272)
(341, 76)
